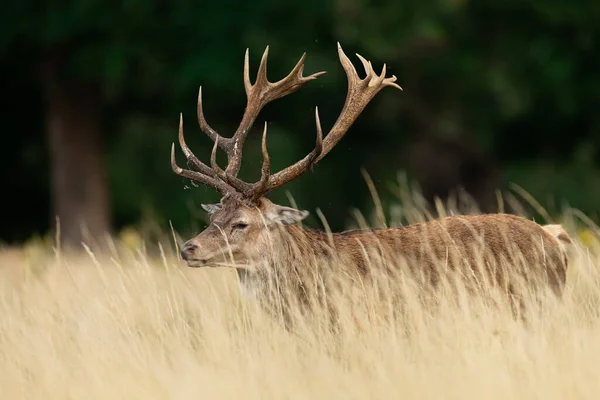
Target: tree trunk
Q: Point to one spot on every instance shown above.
(78, 176)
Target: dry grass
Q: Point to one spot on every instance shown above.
(145, 327)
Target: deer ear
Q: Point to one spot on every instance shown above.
(212, 208)
(285, 215)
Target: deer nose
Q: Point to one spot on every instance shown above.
(187, 250)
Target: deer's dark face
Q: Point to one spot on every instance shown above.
(239, 234)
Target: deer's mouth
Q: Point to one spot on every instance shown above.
(216, 261)
(195, 263)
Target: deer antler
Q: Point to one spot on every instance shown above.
(258, 95)
(360, 93)
(204, 174)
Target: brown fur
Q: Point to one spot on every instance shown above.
(287, 264)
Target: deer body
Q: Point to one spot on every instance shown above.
(280, 262)
(276, 258)
(454, 242)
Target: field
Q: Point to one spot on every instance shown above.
(138, 324)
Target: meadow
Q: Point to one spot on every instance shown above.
(136, 323)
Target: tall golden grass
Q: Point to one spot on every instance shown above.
(136, 324)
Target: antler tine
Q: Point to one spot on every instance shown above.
(366, 65)
(360, 93)
(247, 83)
(210, 132)
(265, 171)
(192, 160)
(213, 183)
(372, 79)
(213, 161)
(261, 75)
(319, 145)
(293, 171)
(294, 76)
(240, 186)
(260, 94)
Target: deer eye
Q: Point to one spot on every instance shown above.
(239, 226)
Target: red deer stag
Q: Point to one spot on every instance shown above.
(264, 243)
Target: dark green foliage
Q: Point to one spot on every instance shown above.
(517, 82)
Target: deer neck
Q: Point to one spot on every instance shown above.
(289, 247)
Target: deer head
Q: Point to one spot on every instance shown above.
(243, 222)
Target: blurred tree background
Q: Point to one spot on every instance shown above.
(494, 92)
